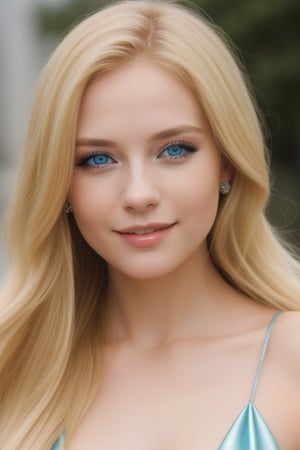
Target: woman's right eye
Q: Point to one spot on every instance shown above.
(96, 160)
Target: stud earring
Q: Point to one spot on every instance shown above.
(225, 187)
(68, 207)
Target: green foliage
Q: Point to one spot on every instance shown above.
(267, 33)
(59, 20)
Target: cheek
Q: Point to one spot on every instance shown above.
(199, 187)
(197, 196)
(90, 202)
(201, 204)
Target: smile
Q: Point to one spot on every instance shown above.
(146, 229)
(141, 232)
(143, 236)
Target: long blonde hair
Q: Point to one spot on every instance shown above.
(52, 305)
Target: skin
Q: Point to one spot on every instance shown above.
(183, 346)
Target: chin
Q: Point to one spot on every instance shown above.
(144, 273)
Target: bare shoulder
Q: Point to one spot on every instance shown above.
(285, 347)
(282, 379)
(286, 340)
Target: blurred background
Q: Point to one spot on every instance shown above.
(266, 32)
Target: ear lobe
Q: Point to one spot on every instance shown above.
(227, 171)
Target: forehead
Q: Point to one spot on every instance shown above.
(138, 94)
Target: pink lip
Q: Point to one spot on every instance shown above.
(146, 240)
(155, 225)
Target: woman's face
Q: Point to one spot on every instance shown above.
(145, 188)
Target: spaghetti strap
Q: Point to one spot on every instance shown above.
(262, 355)
(59, 444)
(249, 431)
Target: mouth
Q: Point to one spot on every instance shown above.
(146, 236)
(141, 230)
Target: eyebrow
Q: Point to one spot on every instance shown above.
(170, 132)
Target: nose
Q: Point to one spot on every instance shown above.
(141, 191)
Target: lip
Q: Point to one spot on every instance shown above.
(150, 226)
(158, 231)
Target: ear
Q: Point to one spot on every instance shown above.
(227, 171)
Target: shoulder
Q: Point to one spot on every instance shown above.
(286, 335)
(285, 342)
(283, 361)
(289, 319)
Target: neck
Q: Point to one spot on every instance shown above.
(153, 312)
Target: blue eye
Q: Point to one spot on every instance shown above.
(177, 151)
(99, 160)
(96, 160)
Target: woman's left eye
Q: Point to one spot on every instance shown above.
(177, 151)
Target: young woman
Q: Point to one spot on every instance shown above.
(149, 304)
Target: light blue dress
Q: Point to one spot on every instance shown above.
(59, 444)
(249, 431)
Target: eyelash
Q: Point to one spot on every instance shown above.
(183, 145)
(84, 162)
(186, 146)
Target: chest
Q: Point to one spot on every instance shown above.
(174, 400)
